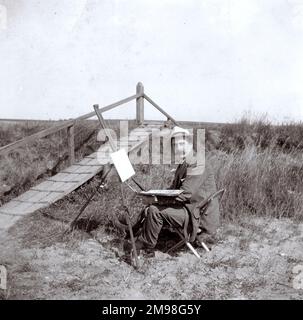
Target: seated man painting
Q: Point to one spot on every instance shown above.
(196, 180)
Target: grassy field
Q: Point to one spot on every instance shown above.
(259, 242)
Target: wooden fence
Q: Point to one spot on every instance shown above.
(69, 125)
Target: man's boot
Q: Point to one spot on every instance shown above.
(128, 247)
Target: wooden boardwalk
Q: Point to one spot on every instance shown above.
(68, 180)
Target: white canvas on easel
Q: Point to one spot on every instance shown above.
(122, 164)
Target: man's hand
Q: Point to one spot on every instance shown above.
(150, 200)
(181, 198)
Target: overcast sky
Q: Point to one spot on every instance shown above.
(201, 60)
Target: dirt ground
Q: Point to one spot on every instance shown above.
(254, 259)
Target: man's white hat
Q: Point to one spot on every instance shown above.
(180, 131)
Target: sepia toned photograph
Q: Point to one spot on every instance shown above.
(151, 150)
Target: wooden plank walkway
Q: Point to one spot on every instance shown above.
(60, 185)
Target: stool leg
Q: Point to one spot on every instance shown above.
(176, 246)
(194, 251)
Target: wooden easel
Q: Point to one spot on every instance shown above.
(113, 147)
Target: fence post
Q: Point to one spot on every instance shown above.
(71, 144)
(140, 104)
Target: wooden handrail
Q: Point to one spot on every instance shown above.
(109, 107)
(67, 124)
(160, 109)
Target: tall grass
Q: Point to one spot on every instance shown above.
(260, 182)
(13, 131)
(261, 168)
(261, 133)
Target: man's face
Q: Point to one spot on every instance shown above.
(182, 146)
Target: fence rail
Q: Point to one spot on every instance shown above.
(69, 125)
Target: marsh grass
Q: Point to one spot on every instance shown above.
(260, 166)
(260, 182)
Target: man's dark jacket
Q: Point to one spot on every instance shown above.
(198, 183)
